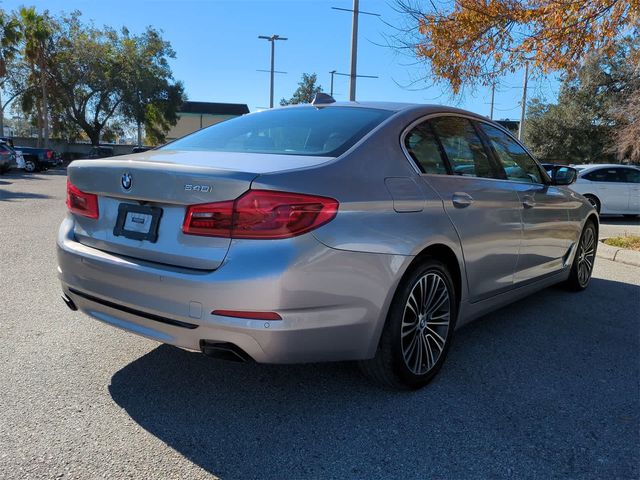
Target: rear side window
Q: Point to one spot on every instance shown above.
(463, 147)
(616, 175)
(422, 145)
(516, 162)
(328, 131)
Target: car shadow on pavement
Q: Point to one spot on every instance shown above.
(21, 174)
(9, 196)
(547, 387)
(58, 171)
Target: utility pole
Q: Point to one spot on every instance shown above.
(332, 72)
(524, 101)
(354, 52)
(272, 39)
(493, 94)
(354, 46)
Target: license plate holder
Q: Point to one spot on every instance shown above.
(138, 222)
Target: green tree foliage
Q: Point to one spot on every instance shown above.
(84, 81)
(103, 77)
(37, 31)
(150, 96)
(583, 125)
(85, 71)
(161, 113)
(10, 35)
(565, 133)
(305, 92)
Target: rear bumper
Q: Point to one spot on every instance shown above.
(332, 303)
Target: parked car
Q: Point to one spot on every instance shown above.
(140, 149)
(333, 231)
(38, 159)
(612, 189)
(100, 152)
(7, 157)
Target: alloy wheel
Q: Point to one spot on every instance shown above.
(586, 255)
(425, 323)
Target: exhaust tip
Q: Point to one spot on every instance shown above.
(69, 302)
(224, 351)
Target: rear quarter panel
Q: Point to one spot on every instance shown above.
(367, 220)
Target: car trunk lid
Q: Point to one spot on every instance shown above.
(166, 187)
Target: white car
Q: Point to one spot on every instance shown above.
(612, 189)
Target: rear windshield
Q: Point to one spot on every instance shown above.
(309, 130)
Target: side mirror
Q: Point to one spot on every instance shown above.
(561, 175)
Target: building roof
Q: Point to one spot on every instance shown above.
(212, 108)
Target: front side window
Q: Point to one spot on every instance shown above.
(312, 131)
(422, 145)
(516, 162)
(633, 175)
(463, 147)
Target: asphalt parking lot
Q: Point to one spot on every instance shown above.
(545, 388)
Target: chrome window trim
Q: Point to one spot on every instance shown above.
(429, 116)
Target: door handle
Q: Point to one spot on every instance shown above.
(528, 202)
(461, 200)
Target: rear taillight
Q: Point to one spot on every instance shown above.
(81, 203)
(260, 214)
(49, 154)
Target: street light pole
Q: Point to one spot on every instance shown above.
(272, 39)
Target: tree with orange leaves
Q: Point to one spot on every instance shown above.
(473, 42)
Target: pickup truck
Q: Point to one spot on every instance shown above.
(37, 159)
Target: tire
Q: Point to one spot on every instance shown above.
(582, 266)
(593, 200)
(30, 166)
(413, 347)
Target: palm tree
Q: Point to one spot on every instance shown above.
(9, 37)
(37, 32)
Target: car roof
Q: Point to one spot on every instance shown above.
(396, 107)
(592, 166)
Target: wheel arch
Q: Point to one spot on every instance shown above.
(439, 251)
(593, 217)
(447, 256)
(595, 196)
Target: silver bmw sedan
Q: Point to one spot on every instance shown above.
(322, 232)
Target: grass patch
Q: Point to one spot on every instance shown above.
(631, 242)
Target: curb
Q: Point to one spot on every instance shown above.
(616, 254)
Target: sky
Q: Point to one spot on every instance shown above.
(218, 53)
